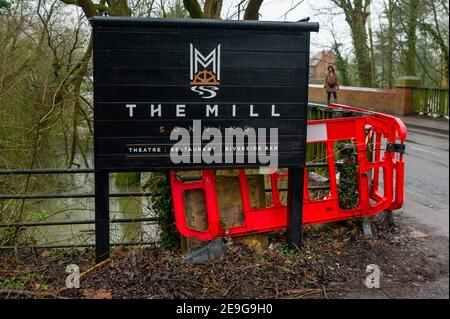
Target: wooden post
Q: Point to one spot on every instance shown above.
(294, 233)
(101, 216)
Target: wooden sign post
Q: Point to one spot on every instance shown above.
(157, 78)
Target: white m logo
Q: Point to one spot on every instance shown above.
(197, 58)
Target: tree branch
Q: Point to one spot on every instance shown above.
(87, 6)
(74, 2)
(194, 9)
(212, 9)
(252, 10)
(118, 8)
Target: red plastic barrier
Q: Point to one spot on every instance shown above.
(375, 196)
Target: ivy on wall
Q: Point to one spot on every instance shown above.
(158, 183)
(348, 183)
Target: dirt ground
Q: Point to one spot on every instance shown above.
(331, 264)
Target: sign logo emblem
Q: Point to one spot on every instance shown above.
(205, 72)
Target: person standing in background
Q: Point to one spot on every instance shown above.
(331, 85)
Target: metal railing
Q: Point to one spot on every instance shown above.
(84, 195)
(430, 101)
(66, 196)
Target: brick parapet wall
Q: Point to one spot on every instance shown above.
(396, 101)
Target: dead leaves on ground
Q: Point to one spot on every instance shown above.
(96, 294)
(45, 254)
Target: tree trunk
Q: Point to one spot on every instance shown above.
(356, 16)
(390, 45)
(77, 95)
(252, 10)
(212, 9)
(411, 37)
(88, 8)
(372, 51)
(118, 8)
(194, 9)
(341, 65)
(362, 54)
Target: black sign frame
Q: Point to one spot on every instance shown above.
(123, 32)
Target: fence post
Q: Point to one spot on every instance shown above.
(443, 102)
(101, 216)
(294, 232)
(404, 87)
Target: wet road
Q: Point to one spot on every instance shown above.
(426, 179)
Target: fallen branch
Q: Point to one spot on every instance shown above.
(324, 292)
(301, 293)
(87, 271)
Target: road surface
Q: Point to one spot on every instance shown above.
(426, 180)
(426, 205)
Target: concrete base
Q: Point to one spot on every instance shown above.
(214, 250)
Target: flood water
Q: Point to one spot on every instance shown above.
(77, 209)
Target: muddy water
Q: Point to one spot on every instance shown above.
(76, 209)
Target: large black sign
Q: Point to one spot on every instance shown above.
(155, 80)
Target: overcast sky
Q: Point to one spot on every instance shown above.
(322, 11)
(281, 10)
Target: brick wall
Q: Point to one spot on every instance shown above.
(396, 101)
(325, 58)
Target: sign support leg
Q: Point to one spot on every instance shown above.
(101, 216)
(294, 232)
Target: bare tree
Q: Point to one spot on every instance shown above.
(437, 30)
(356, 14)
(389, 11)
(212, 9)
(409, 17)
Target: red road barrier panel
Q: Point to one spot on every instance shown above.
(380, 179)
